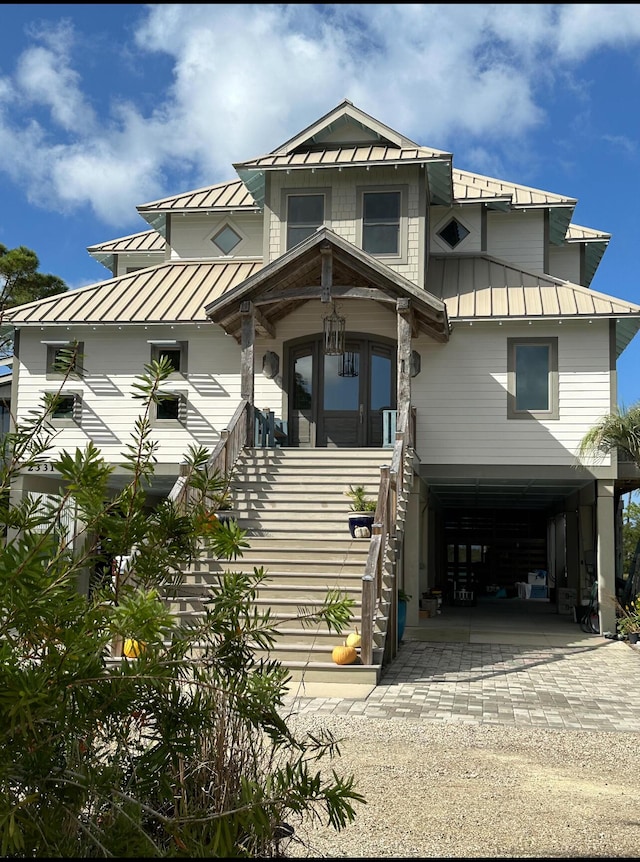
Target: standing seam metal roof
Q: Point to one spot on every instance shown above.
(175, 292)
(479, 286)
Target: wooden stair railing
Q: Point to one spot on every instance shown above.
(382, 533)
(232, 441)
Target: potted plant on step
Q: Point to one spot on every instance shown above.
(362, 514)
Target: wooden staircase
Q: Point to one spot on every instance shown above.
(293, 506)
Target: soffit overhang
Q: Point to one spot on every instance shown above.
(149, 243)
(227, 197)
(438, 168)
(296, 278)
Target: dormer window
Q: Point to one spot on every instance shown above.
(381, 222)
(226, 239)
(305, 214)
(453, 233)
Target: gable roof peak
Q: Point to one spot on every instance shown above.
(342, 123)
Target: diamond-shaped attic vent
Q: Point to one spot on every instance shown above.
(453, 233)
(226, 239)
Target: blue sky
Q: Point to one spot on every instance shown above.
(105, 107)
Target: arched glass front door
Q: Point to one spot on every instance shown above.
(337, 401)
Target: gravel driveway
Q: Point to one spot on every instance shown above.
(464, 789)
(452, 782)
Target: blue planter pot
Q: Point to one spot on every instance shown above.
(360, 519)
(402, 618)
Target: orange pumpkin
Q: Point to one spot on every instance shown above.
(132, 648)
(344, 654)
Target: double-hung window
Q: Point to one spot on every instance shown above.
(305, 214)
(381, 220)
(532, 378)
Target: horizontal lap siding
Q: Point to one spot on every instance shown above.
(112, 365)
(461, 396)
(191, 235)
(137, 260)
(565, 263)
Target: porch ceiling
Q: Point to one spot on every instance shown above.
(300, 275)
(490, 493)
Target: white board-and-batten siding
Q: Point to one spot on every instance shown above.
(517, 237)
(113, 361)
(461, 396)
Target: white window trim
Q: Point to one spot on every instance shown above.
(227, 222)
(403, 242)
(554, 406)
(452, 214)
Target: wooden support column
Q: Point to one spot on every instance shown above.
(606, 555)
(326, 275)
(404, 315)
(247, 312)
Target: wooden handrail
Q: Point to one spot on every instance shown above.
(232, 441)
(382, 533)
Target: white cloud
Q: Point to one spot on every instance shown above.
(45, 78)
(246, 77)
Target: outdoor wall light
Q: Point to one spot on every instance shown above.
(270, 364)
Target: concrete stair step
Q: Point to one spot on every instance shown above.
(328, 546)
(313, 653)
(293, 507)
(198, 585)
(318, 639)
(327, 679)
(281, 599)
(280, 564)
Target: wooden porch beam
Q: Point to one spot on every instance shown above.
(263, 325)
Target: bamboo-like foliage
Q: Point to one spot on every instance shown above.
(183, 750)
